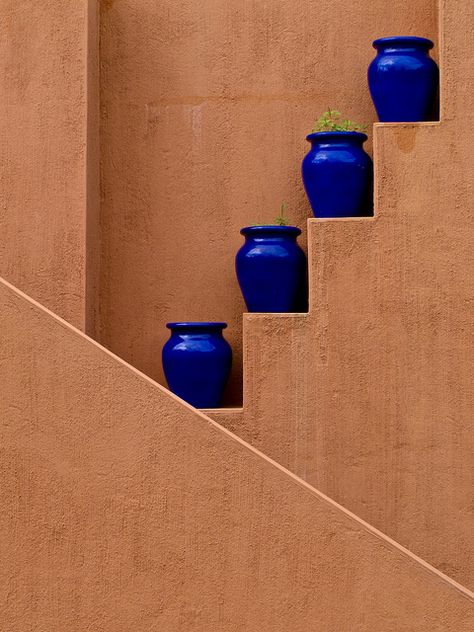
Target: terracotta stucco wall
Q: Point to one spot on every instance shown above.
(49, 152)
(124, 509)
(370, 397)
(205, 107)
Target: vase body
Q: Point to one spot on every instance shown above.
(197, 362)
(403, 79)
(337, 174)
(271, 269)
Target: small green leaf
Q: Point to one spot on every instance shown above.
(281, 220)
(330, 121)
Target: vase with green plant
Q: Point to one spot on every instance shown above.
(337, 172)
(271, 267)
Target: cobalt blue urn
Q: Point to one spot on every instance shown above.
(403, 79)
(337, 174)
(197, 361)
(271, 269)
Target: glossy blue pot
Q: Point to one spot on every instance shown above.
(271, 269)
(197, 361)
(403, 79)
(337, 174)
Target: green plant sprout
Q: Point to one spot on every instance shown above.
(331, 121)
(281, 220)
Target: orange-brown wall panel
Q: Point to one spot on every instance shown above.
(205, 108)
(49, 153)
(124, 509)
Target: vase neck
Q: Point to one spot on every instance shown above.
(402, 50)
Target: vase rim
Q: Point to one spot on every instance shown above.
(196, 325)
(403, 39)
(274, 229)
(337, 135)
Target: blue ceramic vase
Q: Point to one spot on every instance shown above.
(337, 174)
(271, 269)
(403, 79)
(197, 362)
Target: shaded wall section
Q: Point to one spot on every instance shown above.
(49, 152)
(205, 107)
(125, 509)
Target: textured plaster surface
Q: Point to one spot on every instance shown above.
(370, 397)
(205, 109)
(125, 509)
(48, 89)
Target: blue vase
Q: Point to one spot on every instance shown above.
(403, 79)
(197, 362)
(271, 269)
(337, 174)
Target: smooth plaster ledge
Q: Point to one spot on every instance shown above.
(224, 412)
(273, 316)
(231, 418)
(408, 126)
(333, 220)
(165, 514)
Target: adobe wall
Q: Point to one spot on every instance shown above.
(370, 396)
(125, 509)
(205, 108)
(49, 153)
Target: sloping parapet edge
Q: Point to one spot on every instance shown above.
(125, 507)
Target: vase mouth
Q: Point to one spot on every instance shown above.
(183, 326)
(337, 136)
(270, 229)
(405, 41)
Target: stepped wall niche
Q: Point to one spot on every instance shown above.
(205, 109)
